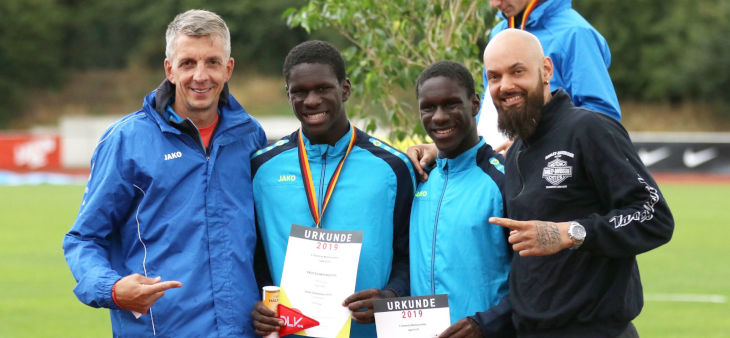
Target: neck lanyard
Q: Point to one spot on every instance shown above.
(526, 13)
(309, 184)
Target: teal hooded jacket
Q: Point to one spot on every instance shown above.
(373, 194)
(454, 248)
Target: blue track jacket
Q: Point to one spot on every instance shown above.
(454, 248)
(158, 204)
(374, 194)
(580, 55)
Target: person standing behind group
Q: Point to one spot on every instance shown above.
(454, 249)
(372, 193)
(169, 197)
(580, 55)
(580, 203)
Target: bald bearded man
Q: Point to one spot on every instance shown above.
(581, 204)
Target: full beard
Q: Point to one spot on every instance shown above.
(521, 122)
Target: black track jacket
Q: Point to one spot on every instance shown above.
(581, 166)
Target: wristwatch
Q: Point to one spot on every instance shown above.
(577, 233)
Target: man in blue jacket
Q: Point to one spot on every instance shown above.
(372, 193)
(454, 249)
(169, 198)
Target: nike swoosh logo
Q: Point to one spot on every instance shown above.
(654, 156)
(693, 159)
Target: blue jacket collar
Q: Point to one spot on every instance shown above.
(332, 151)
(230, 112)
(543, 11)
(462, 162)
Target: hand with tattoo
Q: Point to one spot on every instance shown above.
(536, 238)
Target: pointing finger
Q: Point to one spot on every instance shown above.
(507, 223)
(164, 286)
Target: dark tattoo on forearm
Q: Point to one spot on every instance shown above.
(548, 235)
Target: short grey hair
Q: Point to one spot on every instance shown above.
(197, 22)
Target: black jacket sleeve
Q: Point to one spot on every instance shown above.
(638, 217)
(497, 320)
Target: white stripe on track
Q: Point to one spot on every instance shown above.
(685, 297)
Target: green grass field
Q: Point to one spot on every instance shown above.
(36, 298)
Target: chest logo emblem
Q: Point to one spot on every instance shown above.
(557, 169)
(287, 178)
(172, 156)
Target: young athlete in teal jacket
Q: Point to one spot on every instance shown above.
(454, 249)
(372, 192)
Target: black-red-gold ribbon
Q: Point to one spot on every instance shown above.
(309, 184)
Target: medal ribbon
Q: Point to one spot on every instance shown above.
(309, 183)
(528, 10)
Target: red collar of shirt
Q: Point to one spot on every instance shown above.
(207, 132)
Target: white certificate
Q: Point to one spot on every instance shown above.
(418, 317)
(320, 270)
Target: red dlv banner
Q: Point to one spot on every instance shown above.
(294, 321)
(24, 151)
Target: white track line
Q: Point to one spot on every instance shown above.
(685, 297)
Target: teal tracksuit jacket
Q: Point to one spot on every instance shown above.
(454, 249)
(373, 194)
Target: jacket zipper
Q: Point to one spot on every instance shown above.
(519, 172)
(200, 142)
(435, 228)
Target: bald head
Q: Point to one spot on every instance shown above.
(512, 48)
(515, 45)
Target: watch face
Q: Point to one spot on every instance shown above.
(577, 231)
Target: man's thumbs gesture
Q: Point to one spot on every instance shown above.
(535, 238)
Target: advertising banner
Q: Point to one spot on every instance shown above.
(29, 152)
